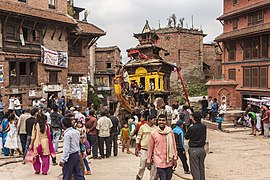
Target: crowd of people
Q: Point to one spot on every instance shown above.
(87, 133)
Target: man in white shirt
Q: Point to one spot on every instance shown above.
(18, 106)
(104, 125)
(11, 103)
(35, 103)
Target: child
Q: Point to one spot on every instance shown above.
(83, 144)
(219, 121)
(132, 129)
(125, 132)
(11, 141)
(179, 139)
(84, 149)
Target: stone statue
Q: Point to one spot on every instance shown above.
(174, 19)
(181, 20)
(169, 22)
(86, 13)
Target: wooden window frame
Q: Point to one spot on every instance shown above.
(259, 81)
(264, 78)
(76, 49)
(53, 80)
(232, 74)
(235, 23)
(28, 78)
(255, 77)
(255, 18)
(232, 51)
(247, 77)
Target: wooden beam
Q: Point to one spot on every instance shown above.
(46, 28)
(93, 42)
(54, 32)
(68, 34)
(34, 26)
(77, 38)
(241, 45)
(226, 46)
(6, 20)
(59, 39)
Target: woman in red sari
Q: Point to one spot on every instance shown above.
(42, 145)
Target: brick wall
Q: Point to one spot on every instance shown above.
(190, 44)
(212, 57)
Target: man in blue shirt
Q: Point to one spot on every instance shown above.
(71, 152)
(179, 139)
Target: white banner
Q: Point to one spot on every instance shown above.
(54, 58)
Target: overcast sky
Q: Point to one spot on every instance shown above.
(121, 18)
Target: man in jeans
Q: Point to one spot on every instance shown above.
(22, 129)
(104, 126)
(114, 133)
(56, 123)
(91, 124)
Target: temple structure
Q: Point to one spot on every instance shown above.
(147, 67)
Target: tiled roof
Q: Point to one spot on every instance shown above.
(88, 28)
(220, 82)
(25, 9)
(247, 9)
(256, 29)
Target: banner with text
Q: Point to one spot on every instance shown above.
(54, 58)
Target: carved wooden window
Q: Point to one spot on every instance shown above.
(232, 74)
(75, 49)
(11, 32)
(256, 47)
(265, 46)
(255, 18)
(247, 49)
(22, 73)
(231, 51)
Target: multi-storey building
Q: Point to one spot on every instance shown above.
(43, 50)
(245, 45)
(107, 62)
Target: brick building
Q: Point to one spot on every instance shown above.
(185, 49)
(43, 50)
(245, 44)
(212, 57)
(107, 61)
